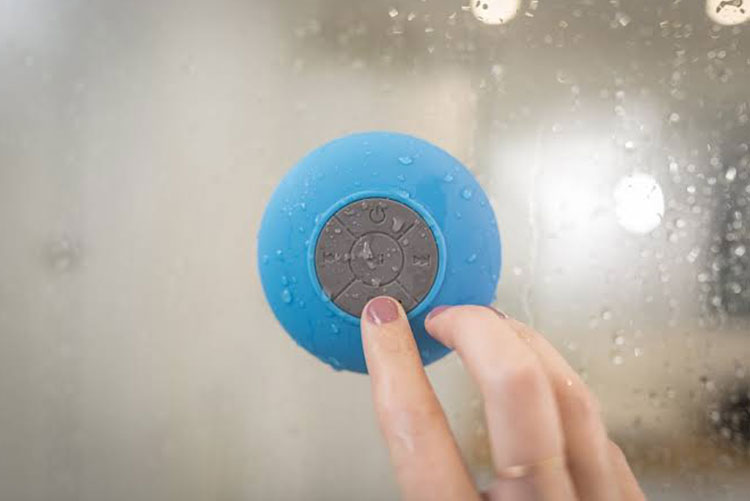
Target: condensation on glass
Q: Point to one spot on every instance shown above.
(139, 143)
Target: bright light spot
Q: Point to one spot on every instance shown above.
(728, 12)
(495, 11)
(639, 203)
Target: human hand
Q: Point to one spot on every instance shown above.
(546, 435)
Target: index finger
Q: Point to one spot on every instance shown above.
(427, 460)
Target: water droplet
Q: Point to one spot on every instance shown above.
(334, 363)
(739, 251)
(466, 194)
(301, 303)
(448, 178)
(606, 314)
(674, 118)
(335, 329)
(280, 254)
(393, 12)
(623, 19)
(471, 258)
(617, 360)
(730, 174)
(629, 146)
(284, 280)
(286, 296)
(401, 178)
(693, 254)
(266, 259)
(405, 160)
(63, 255)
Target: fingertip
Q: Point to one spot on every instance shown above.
(435, 312)
(382, 310)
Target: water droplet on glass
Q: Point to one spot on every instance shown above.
(286, 296)
(448, 178)
(739, 251)
(693, 254)
(629, 146)
(335, 329)
(466, 194)
(674, 118)
(730, 174)
(284, 280)
(266, 259)
(63, 255)
(471, 258)
(405, 160)
(280, 255)
(393, 12)
(606, 314)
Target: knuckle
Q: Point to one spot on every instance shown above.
(615, 450)
(582, 405)
(409, 419)
(525, 377)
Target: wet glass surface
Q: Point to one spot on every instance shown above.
(140, 142)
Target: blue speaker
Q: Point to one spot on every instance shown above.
(372, 214)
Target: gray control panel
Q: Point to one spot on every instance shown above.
(375, 247)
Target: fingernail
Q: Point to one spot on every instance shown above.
(436, 311)
(498, 312)
(382, 310)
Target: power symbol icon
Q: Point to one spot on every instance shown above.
(377, 215)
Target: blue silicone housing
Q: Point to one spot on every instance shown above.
(374, 164)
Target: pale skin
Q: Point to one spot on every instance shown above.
(547, 438)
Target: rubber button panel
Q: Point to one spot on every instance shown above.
(375, 247)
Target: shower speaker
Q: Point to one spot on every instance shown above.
(373, 214)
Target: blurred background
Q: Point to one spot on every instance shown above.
(140, 141)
